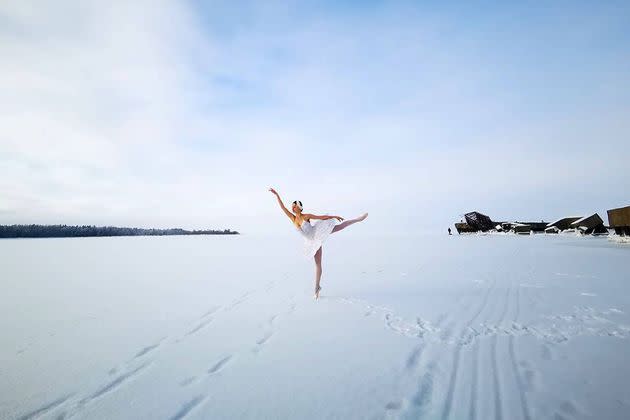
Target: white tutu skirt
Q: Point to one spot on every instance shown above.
(315, 234)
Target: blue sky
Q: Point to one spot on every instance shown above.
(183, 113)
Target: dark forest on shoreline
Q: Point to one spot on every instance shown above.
(65, 231)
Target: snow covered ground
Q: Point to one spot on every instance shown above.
(480, 327)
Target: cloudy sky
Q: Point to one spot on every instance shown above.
(169, 113)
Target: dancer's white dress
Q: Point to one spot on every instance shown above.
(315, 234)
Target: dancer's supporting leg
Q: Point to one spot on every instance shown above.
(347, 223)
(318, 271)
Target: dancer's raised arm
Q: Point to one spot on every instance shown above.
(309, 216)
(284, 209)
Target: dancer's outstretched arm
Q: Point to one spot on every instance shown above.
(284, 209)
(309, 216)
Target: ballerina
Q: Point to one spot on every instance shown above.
(315, 234)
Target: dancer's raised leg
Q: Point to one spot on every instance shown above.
(318, 271)
(347, 223)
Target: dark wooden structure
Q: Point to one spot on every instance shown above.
(619, 219)
(464, 228)
(522, 228)
(592, 224)
(479, 222)
(536, 226)
(564, 223)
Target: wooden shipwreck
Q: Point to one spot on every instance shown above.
(521, 228)
(464, 227)
(479, 221)
(619, 220)
(552, 229)
(592, 224)
(564, 223)
(589, 225)
(536, 226)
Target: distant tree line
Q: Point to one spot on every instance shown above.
(64, 231)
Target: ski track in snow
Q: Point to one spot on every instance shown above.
(424, 360)
(474, 384)
(583, 320)
(418, 401)
(524, 378)
(444, 331)
(498, 391)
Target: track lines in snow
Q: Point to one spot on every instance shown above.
(546, 352)
(271, 319)
(148, 349)
(483, 305)
(530, 376)
(44, 408)
(260, 342)
(110, 386)
(187, 407)
(474, 383)
(240, 300)
(211, 311)
(187, 381)
(498, 409)
(270, 324)
(218, 366)
(102, 391)
(126, 373)
(208, 317)
(422, 398)
(418, 404)
(223, 363)
(417, 328)
(113, 385)
(271, 285)
(203, 321)
(567, 410)
(414, 357)
(203, 324)
(517, 376)
(464, 338)
(448, 401)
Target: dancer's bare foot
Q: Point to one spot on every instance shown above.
(363, 217)
(317, 289)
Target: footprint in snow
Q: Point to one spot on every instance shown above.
(218, 366)
(261, 342)
(187, 381)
